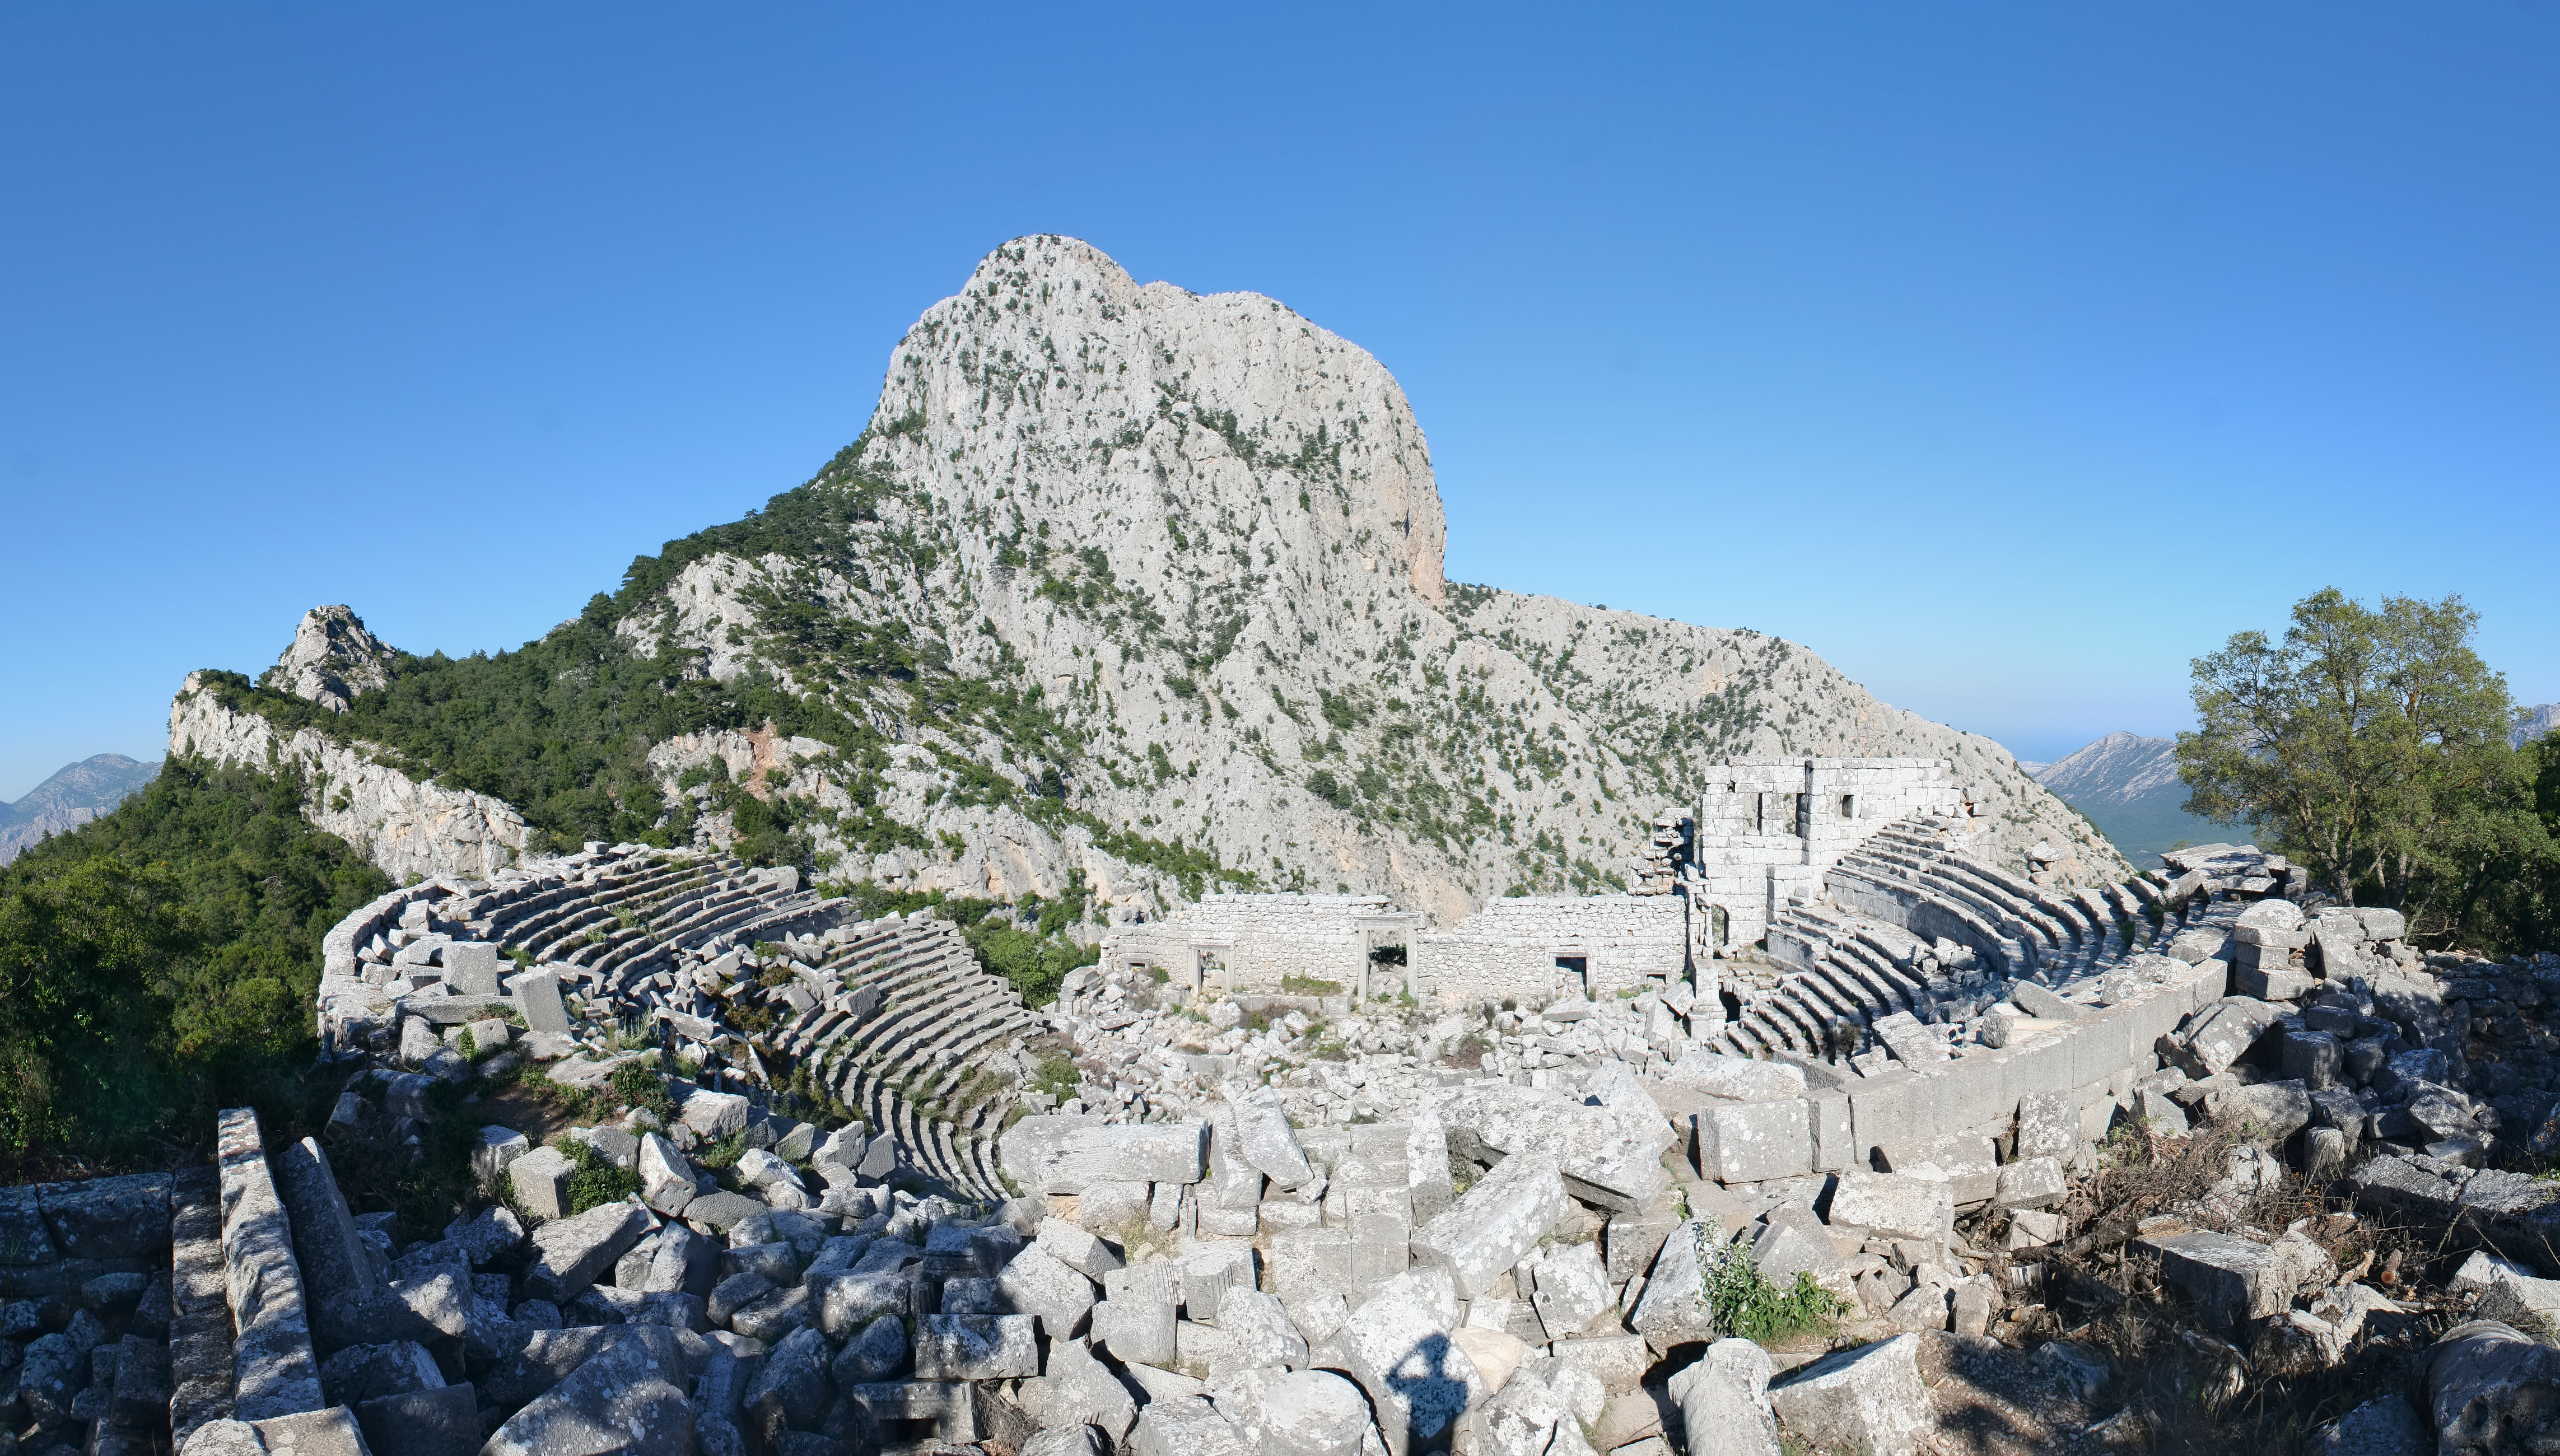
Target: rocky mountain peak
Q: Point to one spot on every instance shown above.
(332, 659)
(1160, 424)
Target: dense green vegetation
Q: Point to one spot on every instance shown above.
(1024, 943)
(159, 962)
(2374, 742)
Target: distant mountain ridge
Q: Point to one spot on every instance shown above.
(2128, 787)
(77, 794)
(2537, 722)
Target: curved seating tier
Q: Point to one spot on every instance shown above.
(1864, 953)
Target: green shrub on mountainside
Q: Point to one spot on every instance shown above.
(160, 961)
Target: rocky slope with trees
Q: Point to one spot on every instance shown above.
(1125, 591)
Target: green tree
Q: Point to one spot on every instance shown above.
(160, 961)
(2373, 740)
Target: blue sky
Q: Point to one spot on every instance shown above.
(2007, 356)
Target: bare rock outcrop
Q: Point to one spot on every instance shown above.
(406, 828)
(332, 659)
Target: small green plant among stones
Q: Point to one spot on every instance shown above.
(596, 1182)
(639, 1086)
(1310, 986)
(1744, 1301)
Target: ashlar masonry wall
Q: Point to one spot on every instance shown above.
(2093, 1059)
(1770, 827)
(1253, 942)
(1527, 949)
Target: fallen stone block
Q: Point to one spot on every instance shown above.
(1674, 1309)
(2387, 1425)
(1737, 1078)
(2034, 1182)
(1495, 1224)
(1419, 1381)
(1060, 1154)
(549, 1357)
(1306, 1413)
(894, 1405)
(1866, 1399)
(1038, 1283)
(666, 1176)
(1263, 1137)
(1617, 1361)
(626, 1398)
(540, 1180)
(1893, 1206)
(877, 1352)
(573, 1252)
(974, 1348)
(362, 1373)
(2232, 1280)
(1078, 1390)
(1259, 1332)
(2221, 1036)
(443, 1420)
(1077, 1248)
(1569, 1286)
(1724, 1399)
(1749, 1142)
(1137, 1315)
(2049, 1126)
(1968, 1164)
(1186, 1425)
(2492, 1389)
(1608, 1158)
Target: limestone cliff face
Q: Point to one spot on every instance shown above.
(410, 830)
(1205, 532)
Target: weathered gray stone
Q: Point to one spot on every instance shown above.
(1724, 1400)
(974, 1348)
(1060, 1153)
(2222, 1034)
(2031, 1183)
(626, 1398)
(773, 1316)
(1069, 1440)
(1569, 1286)
(540, 1180)
(1078, 1390)
(549, 1357)
(848, 1301)
(1209, 1271)
(2049, 1126)
(1259, 1331)
(1673, 1308)
(538, 999)
(1305, 1414)
(876, 1352)
(1608, 1158)
(1111, 1204)
(1419, 1379)
(666, 1176)
(1263, 1138)
(789, 1391)
(275, 1372)
(2387, 1425)
(346, 1302)
(1749, 1142)
(1186, 1425)
(1790, 1245)
(1737, 1078)
(2233, 1280)
(2492, 1389)
(1866, 1399)
(1038, 1283)
(1136, 1316)
(1495, 1224)
(442, 1420)
(573, 1252)
(362, 1373)
(1895, 1206)
(123, 1218)
(24, 1239)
